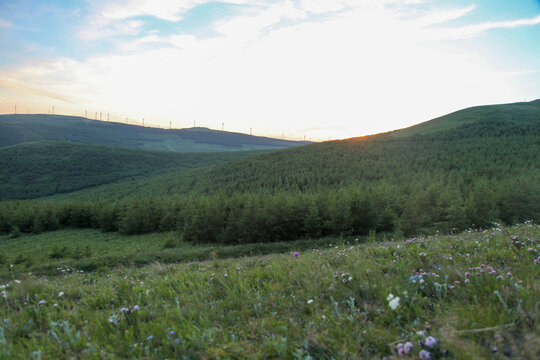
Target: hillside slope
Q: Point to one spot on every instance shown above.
(16, 129)
(44, 168)
(490, 114)
(483, 142)
(459, 177)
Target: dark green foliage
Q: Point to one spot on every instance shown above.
(45, 168)
(58, 252)
(466, 171)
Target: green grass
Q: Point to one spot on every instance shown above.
(92, 250)
(324, 304)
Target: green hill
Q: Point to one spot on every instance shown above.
(468, 169)
(481, 142)
(16, 129)
(44, 168)
(490, 115)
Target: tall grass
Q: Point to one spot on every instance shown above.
(472, 295)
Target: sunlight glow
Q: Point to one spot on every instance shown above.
(325, 69)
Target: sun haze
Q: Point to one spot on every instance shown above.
(321, 69)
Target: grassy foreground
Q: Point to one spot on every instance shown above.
(473, 295)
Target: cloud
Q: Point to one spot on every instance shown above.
(327, 68)
(23, 88)
(170, 10)
(476, 29)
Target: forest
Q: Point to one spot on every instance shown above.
(466, 175)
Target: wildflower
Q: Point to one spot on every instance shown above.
(310, 301)
(150, 337)
(420, 333)
(60, 294)
(467, 281)
(136, 308)
(171, 332)
(407, 347)
(508, 274)
(42, 302)
(4, 294)
(467, 274)
(394, 303)
(400, 349)
(55, 305)
(430, 341)
(296, 254)
(350, 278)
(424, 354)
(452, 287)
(124, 310)
(17, 281)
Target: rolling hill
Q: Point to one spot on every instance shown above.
(480, 142)
(16, 129)
(490, 115)
(37, 169)
(467, 169)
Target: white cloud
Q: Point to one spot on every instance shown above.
(476, 29)
(322, 6)
(364, 68)
(170, 10)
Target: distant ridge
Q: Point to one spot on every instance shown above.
(16, 129)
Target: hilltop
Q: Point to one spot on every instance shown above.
(490, 115)
(16, 129)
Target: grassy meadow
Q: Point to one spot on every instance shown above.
(471, 295)
(359, 248)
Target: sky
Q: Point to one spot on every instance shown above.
(315, 68)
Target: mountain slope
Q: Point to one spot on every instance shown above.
(483, 142)
(467, 175)
(44, 168)
(16, 129)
